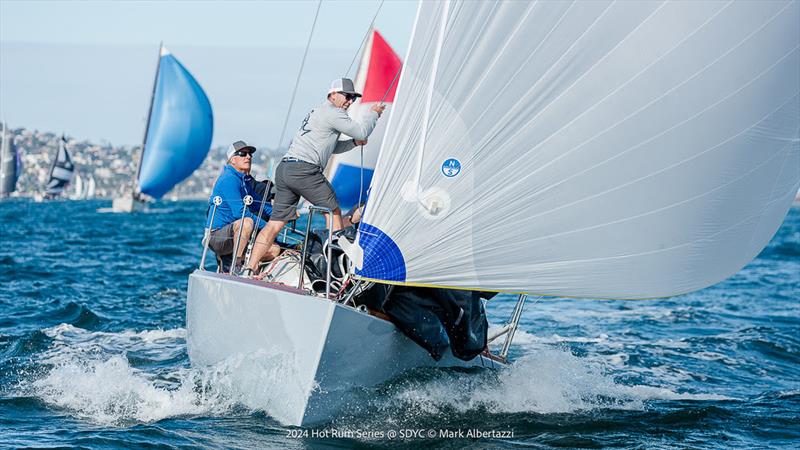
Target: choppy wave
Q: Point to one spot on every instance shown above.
(89, 374)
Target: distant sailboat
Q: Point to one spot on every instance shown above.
(376, 79)
(177, 136)
(78, 188)
(90, 188)
(10, 167)
(61, 172)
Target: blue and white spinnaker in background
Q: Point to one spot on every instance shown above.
(179, 129)
(376, 79)
(587, 149)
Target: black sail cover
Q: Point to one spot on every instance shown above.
(438, 319)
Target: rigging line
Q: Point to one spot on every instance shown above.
(366, 36)
(361, 149)
(299, 74)
(392, 119)
(386, 94)
(360, 183)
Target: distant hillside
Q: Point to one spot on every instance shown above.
(112, 167)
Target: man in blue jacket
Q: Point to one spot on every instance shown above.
(233, 184)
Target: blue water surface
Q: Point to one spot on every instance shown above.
(93, 354)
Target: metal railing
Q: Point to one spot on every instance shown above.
(248, 200)
(513, 324)
(311, 210)
(207, 233)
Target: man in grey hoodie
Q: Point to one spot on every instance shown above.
(300, 172)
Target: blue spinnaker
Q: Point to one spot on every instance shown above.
(180, 130)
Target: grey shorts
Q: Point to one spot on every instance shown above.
(221, 240)
(300, 179)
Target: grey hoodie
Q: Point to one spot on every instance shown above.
(318, 137)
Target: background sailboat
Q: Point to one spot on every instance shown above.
(177, 136)
(376, 79)
(609, 150)
(61, 172)
(78, 191)
(91, 188)
(10, 167)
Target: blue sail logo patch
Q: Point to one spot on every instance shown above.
(451, 167)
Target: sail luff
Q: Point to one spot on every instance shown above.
(428, 101)
(149, 116)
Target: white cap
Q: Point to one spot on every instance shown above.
(239, 145)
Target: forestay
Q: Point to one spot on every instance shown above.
(180, 128)
(590, 149)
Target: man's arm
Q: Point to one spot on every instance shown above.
(342, 123)
(344, 146)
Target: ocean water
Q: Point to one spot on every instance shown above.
(93, 354)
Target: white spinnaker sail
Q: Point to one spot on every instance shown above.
(589, 149)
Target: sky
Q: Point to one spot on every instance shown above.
(86, 68)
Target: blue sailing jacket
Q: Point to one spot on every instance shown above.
(232, 186)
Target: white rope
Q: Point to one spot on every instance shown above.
(366, 36)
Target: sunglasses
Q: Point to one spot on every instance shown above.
(349, 97)
(243, 153)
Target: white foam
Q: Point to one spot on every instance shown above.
(112, 392)
(91, 376)
(544, 381)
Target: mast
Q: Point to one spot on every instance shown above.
(161, 52)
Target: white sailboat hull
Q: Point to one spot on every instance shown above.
(331, 348)
(126, 204)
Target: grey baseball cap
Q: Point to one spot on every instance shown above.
(239, 145)
(343, 85)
